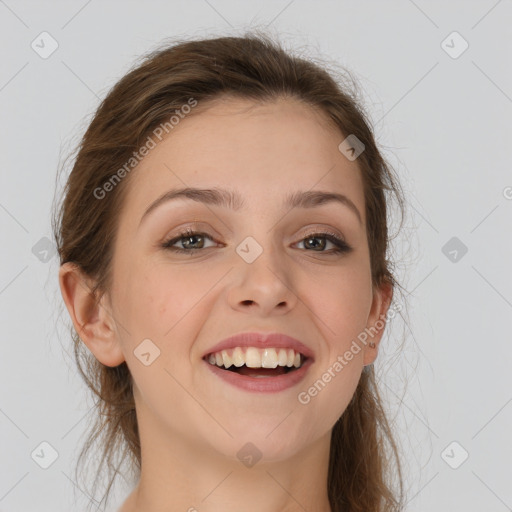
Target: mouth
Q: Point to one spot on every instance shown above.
(255, 362)
(260, 362)
(259, 370)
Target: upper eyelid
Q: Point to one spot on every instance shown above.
(192, 232)
(197, 228)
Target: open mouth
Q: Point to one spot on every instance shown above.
(254, 362)
(260, 372)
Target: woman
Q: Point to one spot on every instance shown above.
(223, 241)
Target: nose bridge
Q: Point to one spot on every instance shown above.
(263, 277)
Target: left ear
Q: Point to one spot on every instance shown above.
(382, 297)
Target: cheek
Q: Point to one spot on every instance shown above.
(341, 302)
(167, 305)
(326, 396)
(162, 304)
(156, 298)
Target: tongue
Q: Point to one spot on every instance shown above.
(261, 372)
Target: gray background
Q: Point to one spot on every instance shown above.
(444, 124)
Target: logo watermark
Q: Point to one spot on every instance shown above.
(304, 397)
(137, 156)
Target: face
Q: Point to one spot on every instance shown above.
(258, 265)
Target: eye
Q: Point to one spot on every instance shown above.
(190, 240)
(340, 246)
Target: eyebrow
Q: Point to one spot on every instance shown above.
(228, 199)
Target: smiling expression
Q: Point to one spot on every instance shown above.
(234, 181)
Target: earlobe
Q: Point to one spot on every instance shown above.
(382, 298)
(91, 318)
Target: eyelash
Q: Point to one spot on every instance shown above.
(341, 245)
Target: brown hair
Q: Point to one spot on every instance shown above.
(253, 67)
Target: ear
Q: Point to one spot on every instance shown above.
(92, 320)
(382, 297)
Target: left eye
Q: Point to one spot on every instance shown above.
(339, 245)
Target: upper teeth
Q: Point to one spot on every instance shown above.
(256, 358)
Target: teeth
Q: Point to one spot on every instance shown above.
(282, 357)
(226, 359)
(256, 358)
(269, 358)
(252, 358)
(238, 357)
(291, 358)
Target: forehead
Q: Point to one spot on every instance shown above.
(264, 150)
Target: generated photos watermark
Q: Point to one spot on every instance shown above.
(158, 133)
(304, 397)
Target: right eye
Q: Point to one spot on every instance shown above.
(189, 240)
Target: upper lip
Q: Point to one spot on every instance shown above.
(261, 340)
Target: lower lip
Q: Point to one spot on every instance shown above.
(262, 384)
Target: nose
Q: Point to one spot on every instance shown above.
(263, 286)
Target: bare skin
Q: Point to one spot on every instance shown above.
(192, 424)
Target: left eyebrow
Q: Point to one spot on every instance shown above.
(229, 199)
(314, 198)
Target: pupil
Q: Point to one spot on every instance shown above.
(321, 245)
(189, 240)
